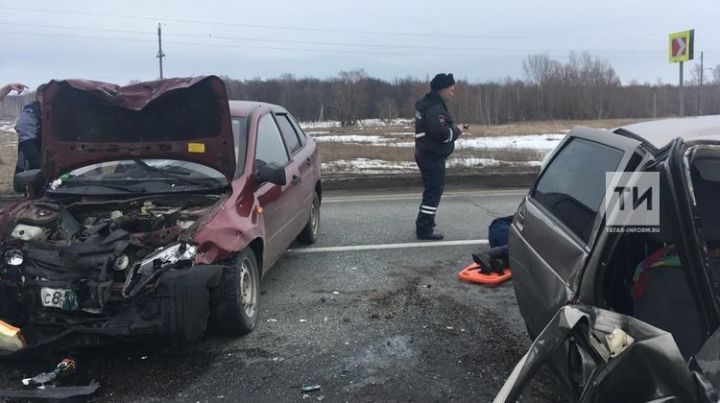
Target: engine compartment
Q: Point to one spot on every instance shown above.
(91, 258)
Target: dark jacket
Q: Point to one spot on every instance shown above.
(435, 132)
(28, 124)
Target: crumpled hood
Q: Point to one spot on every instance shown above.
(87, 122)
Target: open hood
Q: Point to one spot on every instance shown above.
(87, 122)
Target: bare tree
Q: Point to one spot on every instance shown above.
(350, 95)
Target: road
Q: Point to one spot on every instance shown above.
(368, 314)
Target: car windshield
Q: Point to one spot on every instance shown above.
(146, 175)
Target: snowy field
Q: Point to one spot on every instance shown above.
(536, 141)
(490, 150)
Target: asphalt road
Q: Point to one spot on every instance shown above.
(366, 314)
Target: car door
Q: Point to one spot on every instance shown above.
(691, 245)
(301, 185)
(276, 207)
(619, 359)
(555, 226)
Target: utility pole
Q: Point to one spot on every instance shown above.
(700, 96)
(682, 98)
(160, 53)
(654, 102)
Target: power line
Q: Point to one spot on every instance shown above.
(308, 29)
(494, 54)
(350, 44)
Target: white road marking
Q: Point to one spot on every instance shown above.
(389, 246)
(418, 196)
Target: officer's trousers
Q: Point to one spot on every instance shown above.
(432, 169)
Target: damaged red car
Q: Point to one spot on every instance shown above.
(157, 209)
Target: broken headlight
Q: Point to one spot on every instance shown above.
(167, 256)
(13, 257)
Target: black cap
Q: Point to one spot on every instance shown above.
(441, 81)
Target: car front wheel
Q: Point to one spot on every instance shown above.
(235, 307)
(309, 234)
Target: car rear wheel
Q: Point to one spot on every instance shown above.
(235, 307)
(309, 234)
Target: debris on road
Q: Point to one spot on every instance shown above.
(45, 388)
(310, 388)
(64, 368)
(52, 392)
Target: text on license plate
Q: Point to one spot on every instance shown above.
(58, 298)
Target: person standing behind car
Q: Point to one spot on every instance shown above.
(435, 137)
(28, 130)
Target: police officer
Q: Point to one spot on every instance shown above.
(435, 137)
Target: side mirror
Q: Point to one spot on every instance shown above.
(271, 172)
(30, 180)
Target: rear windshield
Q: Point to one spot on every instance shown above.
(180, 115)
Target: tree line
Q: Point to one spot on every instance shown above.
(583, 87)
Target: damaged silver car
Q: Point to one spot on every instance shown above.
(158, 208)
(621, 312)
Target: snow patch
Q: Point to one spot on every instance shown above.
(536, 141)
(376, 166)
(7, 126)
(352, 138)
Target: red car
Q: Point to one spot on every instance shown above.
(157, 209)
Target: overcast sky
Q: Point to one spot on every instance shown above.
(477, 40)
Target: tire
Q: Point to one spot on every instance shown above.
(309, 234)
(235, 300)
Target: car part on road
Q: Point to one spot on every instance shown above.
(234, 302)
(310, 388)
(45, 388)
(52, 393)
(63, 369)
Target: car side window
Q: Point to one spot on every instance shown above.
(298, 129)
(288, 132)
(270, 147)
(239, 128)
(572, 187)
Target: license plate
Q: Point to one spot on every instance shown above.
(58, 298)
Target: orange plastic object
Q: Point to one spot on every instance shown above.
(11, 338)
(472, 274)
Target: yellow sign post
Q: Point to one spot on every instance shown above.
(680, 49)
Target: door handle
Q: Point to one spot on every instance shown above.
(309, 161)
(295, 179)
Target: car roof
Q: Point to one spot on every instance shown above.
(660, 133)
(244, 108)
